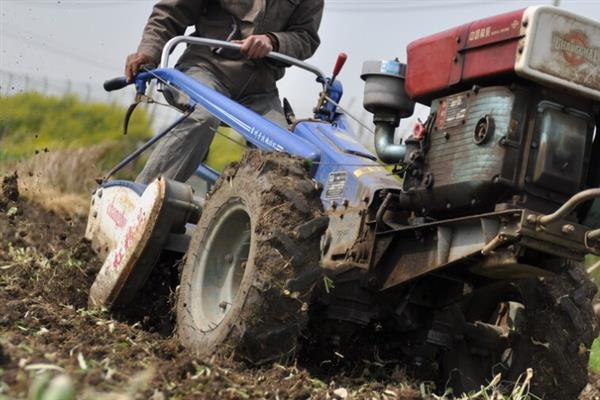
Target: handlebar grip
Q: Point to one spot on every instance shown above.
(115, 84)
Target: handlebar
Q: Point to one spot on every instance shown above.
(121, 82)
(116, 84)
(171, 44)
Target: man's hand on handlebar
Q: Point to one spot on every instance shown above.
(256, 46)
(134, 62)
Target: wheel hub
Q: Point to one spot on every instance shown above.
(498, 336)
(221, 266)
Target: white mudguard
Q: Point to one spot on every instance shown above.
(128, 231)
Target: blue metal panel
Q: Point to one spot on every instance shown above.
(344, 141)
(259, 131)
(350, 177)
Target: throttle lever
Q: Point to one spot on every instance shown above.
(339, 64)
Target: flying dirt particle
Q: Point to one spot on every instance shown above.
(10, 187)
(83, 250)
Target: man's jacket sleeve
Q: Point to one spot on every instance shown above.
(169, 18)
(301, 38)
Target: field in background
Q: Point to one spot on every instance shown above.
(60, 145)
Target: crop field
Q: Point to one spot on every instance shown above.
(52, 347)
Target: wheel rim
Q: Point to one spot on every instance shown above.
(508, 318)
(476, 363)
(220, 268)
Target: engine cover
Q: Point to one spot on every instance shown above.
(486, 145)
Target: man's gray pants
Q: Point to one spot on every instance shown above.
(180, 152)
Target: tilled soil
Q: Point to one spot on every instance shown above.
(46, 269)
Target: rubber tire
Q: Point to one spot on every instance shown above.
(267, 315)
(557, 336)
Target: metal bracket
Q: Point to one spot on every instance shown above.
(139, 98)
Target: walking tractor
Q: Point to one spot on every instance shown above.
(458, 251)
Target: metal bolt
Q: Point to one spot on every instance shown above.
(567, 229)
(428, 182)
(372, 281)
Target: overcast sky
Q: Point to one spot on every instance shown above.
(88, 40)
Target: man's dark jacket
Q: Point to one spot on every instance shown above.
(293, 23)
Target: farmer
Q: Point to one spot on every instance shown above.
(260, 26)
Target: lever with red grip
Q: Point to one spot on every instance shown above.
(339, 64)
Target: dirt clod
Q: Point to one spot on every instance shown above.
(10, 187)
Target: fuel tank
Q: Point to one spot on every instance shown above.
(543, 44)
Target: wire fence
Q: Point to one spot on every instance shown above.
(13, 83)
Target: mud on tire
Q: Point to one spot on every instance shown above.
(566, 324)
(554, 339)
(271, 196)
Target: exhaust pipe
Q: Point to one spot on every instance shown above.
(388, 151)
(386, 98)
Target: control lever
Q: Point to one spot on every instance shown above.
(339, 64)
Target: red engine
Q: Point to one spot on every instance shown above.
(543, 44)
